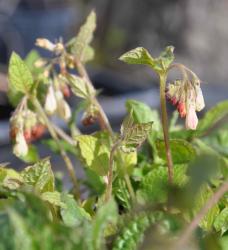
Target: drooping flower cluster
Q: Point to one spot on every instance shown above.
(187, 96)
(24, 128)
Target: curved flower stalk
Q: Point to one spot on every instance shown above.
(187, 96)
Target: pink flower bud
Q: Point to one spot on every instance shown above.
(181, 109)
(191, 118)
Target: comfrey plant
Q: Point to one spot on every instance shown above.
(131, 200)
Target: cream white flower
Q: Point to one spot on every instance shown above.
(64, 110)
(45, 43)
(20, 148)
(50, 105)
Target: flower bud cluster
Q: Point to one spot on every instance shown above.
(188, 98)
(24, 128)
(90, 116)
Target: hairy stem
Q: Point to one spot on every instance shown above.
(65, 157)
(193, 225)
(63, 135)
(165, 126)
(110, 171)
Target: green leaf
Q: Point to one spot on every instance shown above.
(142, 113)
(22, 235)
(88, 54)
(55, 147)
(142, 56)
(164, 60)
(40, 176)
(95, 182)
(106, 214)
(221, 221)
(32, 155)
(154, 184)
(79, 87)
(94, 154)
(54, 198)
(121, 193)
(10, 178)
(132, 234)
(182, 151)
(20, 76)
(84, 37)
(133, 135)
(212, 117)
(71, 213)
(138, 56)
(201, 198)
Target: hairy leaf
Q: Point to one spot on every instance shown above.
(72, 214)
(132, 234)
(133, 134)
(182, 151)
(79, 87)
(201, 198)
(221, 221)
(154, 184)
(138, 56)
(40, 176)
(19, 75)
(84, 37)
(94, 154)
(105, 215)
(142, 56)
(53, 198)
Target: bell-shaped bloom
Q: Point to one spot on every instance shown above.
(199, 99)
(64, 110)
(45, 44)
(50, 105)
(191, 120)
(20, 148)
(187, 96)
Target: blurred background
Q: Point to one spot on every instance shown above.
(196, 28)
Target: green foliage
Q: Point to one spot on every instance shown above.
(40, 176)
(94, 154)
(154, 187)
(142, 56)
(19, 75)
(182, 151)
(133, 134)
(81, 48)
(207, 222)
(32, 155)
(72, 214)
(132, 234)
(105, 216)
(79, 87)
(221, 221)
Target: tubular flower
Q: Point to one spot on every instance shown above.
(187, 96)
(20, 148)
(50, 105)
(45, 43)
